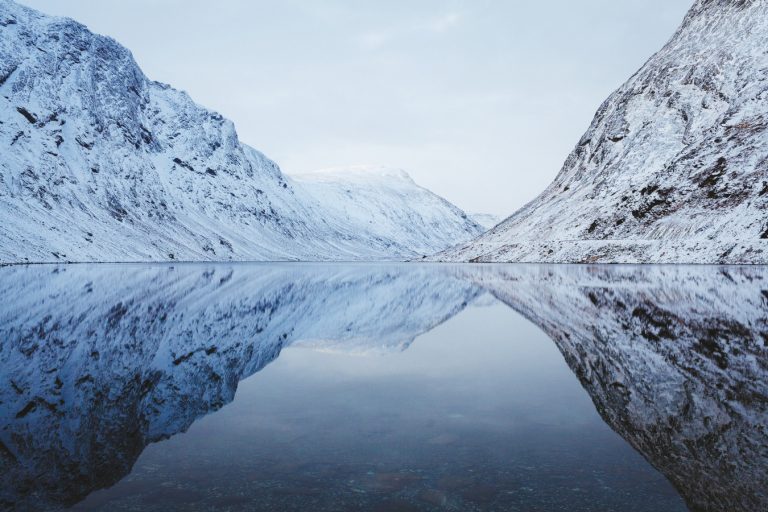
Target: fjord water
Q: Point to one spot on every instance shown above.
(383, 387)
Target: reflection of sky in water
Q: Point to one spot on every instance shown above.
(123, 378)
(481, 413)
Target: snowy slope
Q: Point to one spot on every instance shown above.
(384, 204)
(97, 162)
(675, 165)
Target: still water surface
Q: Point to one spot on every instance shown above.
(383, 387)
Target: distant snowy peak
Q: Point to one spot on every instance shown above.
(486, 220)
(99, 163)
(674, 167)
(386, 202)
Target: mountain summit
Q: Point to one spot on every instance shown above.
(674, 167)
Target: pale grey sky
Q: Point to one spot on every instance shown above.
(481, 101)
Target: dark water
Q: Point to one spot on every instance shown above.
(383, 387)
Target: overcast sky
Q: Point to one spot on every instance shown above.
(480, 101)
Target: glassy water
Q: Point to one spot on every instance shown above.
(383, 387)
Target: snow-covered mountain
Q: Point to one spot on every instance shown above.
(675, 165)
(97, 361)
(486, 220)
(385, 204)
(99, 163)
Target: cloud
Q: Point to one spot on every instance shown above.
(442, 23)
(379, 38)
(375, 39)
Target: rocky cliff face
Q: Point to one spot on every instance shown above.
(99, 163)
(674, 167)
(675, 360)
(97, 362)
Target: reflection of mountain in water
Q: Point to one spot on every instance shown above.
(99, 361)
(674, 359)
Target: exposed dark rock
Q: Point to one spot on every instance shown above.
(27, 115)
